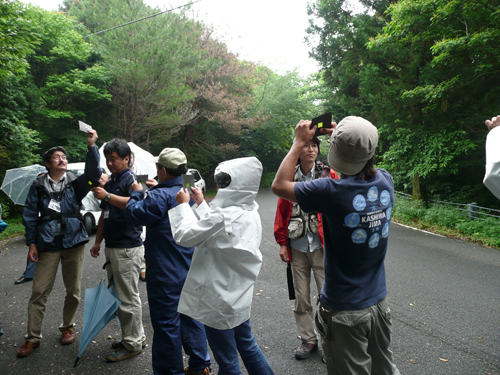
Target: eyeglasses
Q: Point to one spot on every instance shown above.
(59, 157)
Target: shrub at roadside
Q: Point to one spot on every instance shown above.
(267, 180)
(446, 220)
(15, 228)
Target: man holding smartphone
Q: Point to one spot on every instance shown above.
(167, 267)
(353, 320)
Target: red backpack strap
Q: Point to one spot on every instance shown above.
(326, 172)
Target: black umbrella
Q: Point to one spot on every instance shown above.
(289, 279)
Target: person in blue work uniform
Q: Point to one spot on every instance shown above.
(167, 265)
(124, 250)
(28, 274)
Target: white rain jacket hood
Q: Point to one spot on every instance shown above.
(219, 286)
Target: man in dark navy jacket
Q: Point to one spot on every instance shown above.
(167, 267)
(55, 234)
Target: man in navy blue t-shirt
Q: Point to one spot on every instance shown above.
(124, 250)
(354, 318)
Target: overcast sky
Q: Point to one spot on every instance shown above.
(270, 32)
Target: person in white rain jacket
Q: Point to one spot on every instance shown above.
(219, 286)
(492, 175)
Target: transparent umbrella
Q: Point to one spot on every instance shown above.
(17, 182)
(143, 159)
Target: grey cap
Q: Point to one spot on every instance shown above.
(353, 143)
(171, 158)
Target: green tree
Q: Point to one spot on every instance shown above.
(282, 100)
(64, 83)
(148, 62)
(337, 36)
(17, 38)
(445, 76)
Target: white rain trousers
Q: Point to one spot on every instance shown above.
(219, 286)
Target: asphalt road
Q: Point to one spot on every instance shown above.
(444, 296)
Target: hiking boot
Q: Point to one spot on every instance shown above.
(118, 344)
(206, 371)
(304, 350)
(121, 354)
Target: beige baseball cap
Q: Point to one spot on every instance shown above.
(352, 144)
(171, 158)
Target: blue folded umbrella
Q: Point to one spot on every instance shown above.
(3, 225)
(101, 305)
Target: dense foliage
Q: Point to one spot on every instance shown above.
(426, 72)
(162, 82)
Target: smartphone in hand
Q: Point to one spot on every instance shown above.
(188, 182)
(323, 121)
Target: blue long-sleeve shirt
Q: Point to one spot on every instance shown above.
(166, 261)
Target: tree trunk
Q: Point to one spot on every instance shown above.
(418, 192)
(189, 136)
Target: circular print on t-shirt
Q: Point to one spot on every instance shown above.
(359, 202)
(373, 194)
(388, 213)
(352, 220)
(374, 240)
(385, 230)
(385, 197)
(359, 236)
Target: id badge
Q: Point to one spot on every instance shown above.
(55, 205)
(106, 214)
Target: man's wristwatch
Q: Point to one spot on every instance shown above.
(107, 198)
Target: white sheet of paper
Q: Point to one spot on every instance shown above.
(84, 127)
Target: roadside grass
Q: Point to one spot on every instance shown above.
(267, 180)
(448, 222)
(15, 228)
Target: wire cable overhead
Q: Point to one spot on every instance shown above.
(142, 19)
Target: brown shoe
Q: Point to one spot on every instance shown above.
(188, 371)
(118, 344)
(142, 276)
(68, 336)
(27, 348)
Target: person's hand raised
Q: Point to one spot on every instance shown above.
(329, 131)
(182, 196)
(92, 137)
(303, 133)
(136, 186)
(197, 196)
(493, 123)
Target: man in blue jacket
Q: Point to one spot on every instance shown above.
(167, 267)
(55, 234)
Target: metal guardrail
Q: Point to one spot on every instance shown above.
(471, 210)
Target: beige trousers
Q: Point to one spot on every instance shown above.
(123, 272)
(43, 282)
(302, 264)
